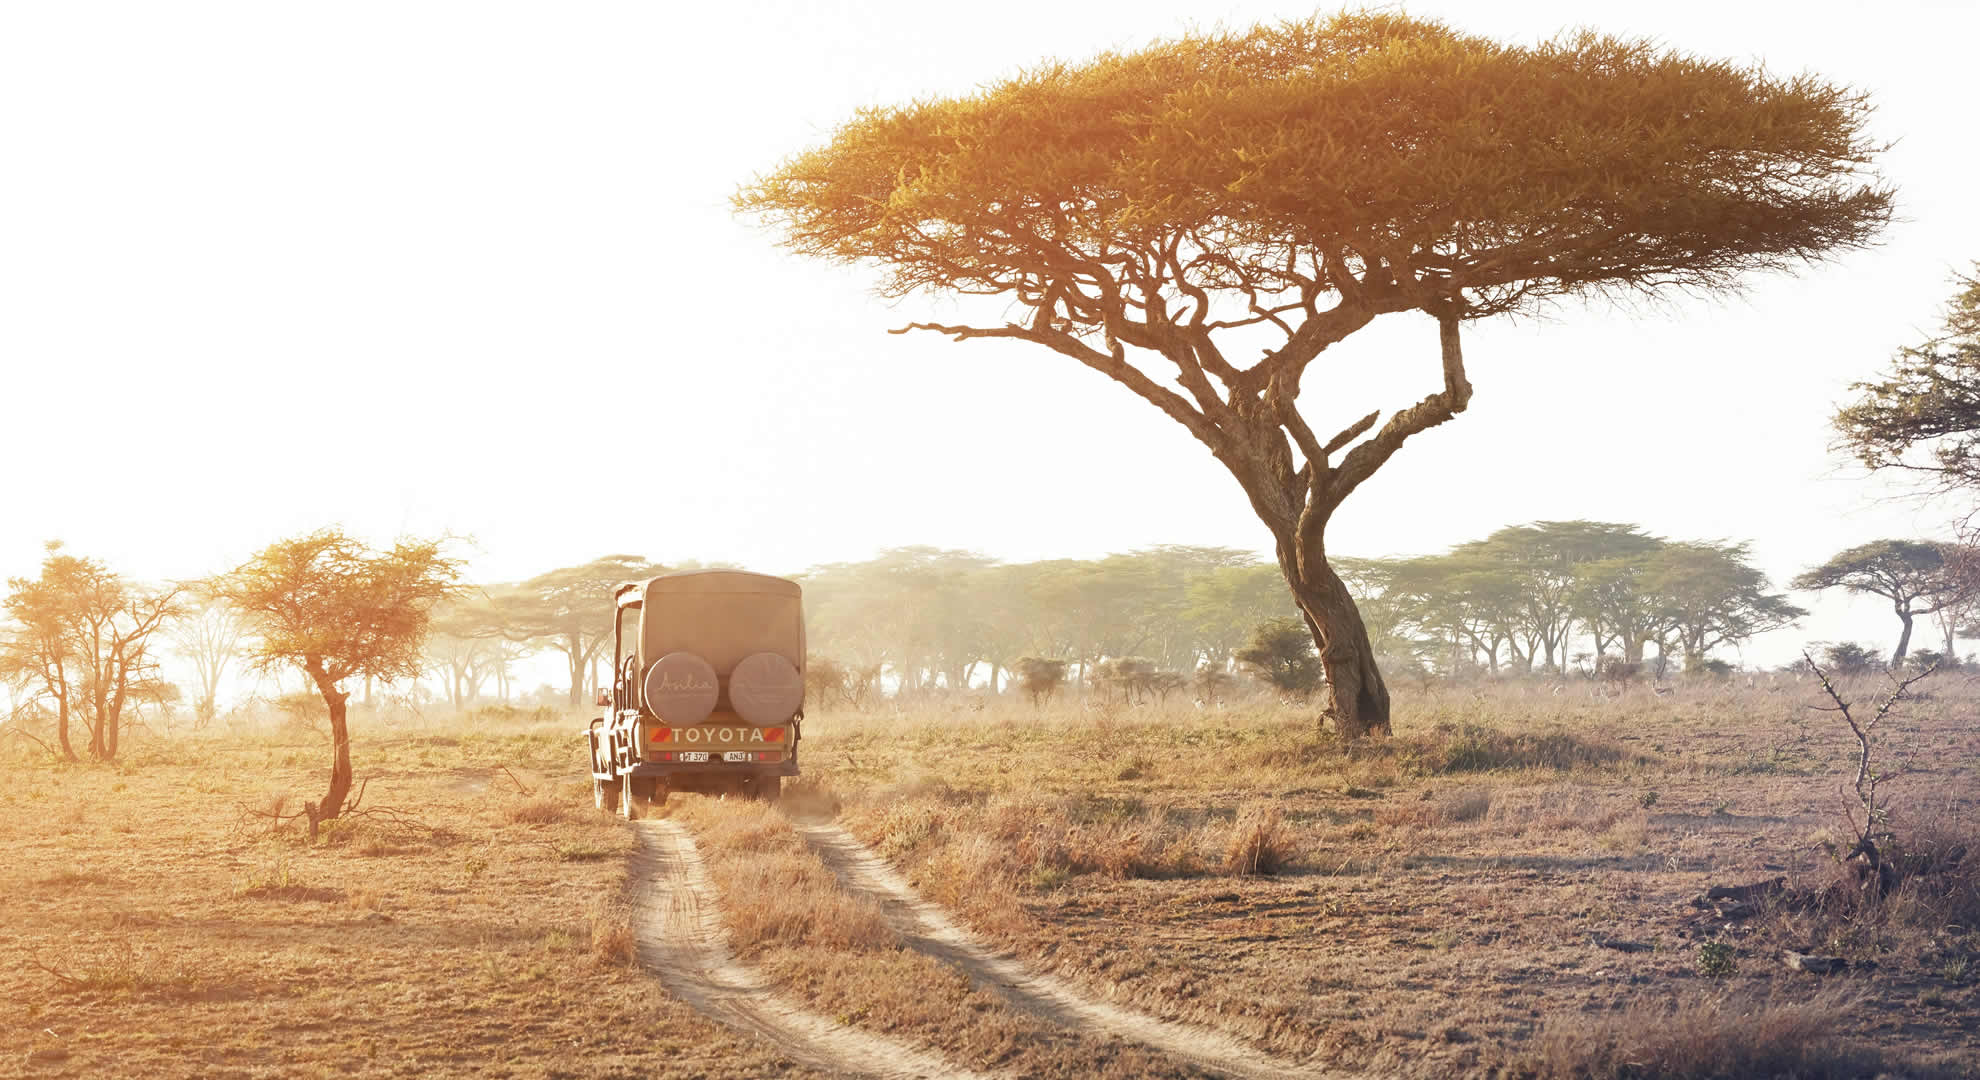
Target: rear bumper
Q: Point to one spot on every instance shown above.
(710, 768)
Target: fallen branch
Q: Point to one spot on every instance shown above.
(525, 788)
(66, 978)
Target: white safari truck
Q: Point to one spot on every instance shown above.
(708, 689)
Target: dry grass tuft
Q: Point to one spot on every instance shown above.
(126, 968)
(71, 879)
(546, 811)
(1259, 842)
(1471, 748)
(613, 940)
(277, 881)
(1706, 1038)
(1450, 808)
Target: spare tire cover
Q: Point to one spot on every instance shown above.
(766, 689)
(681, 688)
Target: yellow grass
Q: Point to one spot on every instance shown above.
(1431, 905)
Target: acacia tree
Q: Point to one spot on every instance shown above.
(570, 610)
(1158, 214)
(1709, 595)
(1910, 574)
(338, 610)
(208, 637)
(81, 636)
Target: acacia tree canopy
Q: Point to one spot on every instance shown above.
(1288, 184)
(1924, 415)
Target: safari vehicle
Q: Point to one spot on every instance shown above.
(707, 691)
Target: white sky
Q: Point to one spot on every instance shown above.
(416, 267)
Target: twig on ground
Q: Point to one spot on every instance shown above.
(525, 788)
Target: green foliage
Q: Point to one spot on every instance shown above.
(1923, 416)
(1716, 959)
(1850, 658)
(1917, 577)
(1518, 170)
(935, 617)
(1281, 653)
(1897, 570)
(1514, 599)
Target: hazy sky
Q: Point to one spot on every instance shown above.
(470, 267)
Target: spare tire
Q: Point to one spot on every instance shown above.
(681, 688)
(766, 689)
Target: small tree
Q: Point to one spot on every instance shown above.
(208, 636)
(1039, 678)
(825, 680)
(1869, 819)
(1849, 658)
(1281, 652)
(336, 609)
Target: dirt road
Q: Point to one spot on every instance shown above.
(926, 928)
(681, 941)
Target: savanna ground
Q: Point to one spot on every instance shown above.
(1503, 889)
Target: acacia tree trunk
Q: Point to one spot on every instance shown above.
(1904, 639)
(340, 747)
(62, 724)
(1357, 697)
(573, 651)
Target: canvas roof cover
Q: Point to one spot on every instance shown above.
(721, 616)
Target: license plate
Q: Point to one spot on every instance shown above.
(736, 755)
(694, 755)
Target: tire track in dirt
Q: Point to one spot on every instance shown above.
(927, 929)
(679, 930)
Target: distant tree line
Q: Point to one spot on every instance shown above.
(81, 648)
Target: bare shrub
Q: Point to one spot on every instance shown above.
(1928, 881)
(1259, 842)
(1706, 1037)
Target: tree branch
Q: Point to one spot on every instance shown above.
(1114, 366)
(1362, 461)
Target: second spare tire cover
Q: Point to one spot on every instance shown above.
(766, 689)
(681, 688)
